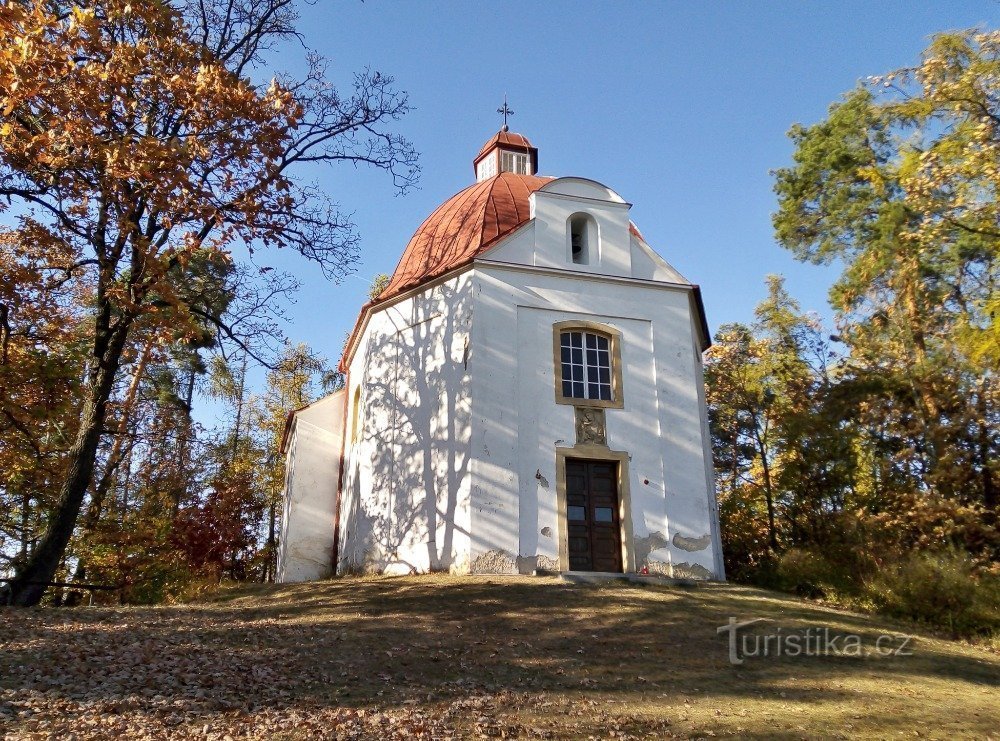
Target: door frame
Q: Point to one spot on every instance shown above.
(595, 453)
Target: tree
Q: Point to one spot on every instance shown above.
(379, 283)
(775, 436)
(293, 383)
(900, 185)
(134, 142)
(41, 361)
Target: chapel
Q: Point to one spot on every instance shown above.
(524, 396)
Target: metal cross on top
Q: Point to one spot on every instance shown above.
(505, 111)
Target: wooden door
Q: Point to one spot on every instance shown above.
(593, 523)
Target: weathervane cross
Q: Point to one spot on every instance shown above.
(505, 111)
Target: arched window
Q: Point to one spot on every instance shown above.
(583, 239)
(356, 416)
(588, 364)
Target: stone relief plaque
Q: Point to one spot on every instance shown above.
(590, 427)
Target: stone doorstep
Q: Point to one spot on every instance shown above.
(605, 577)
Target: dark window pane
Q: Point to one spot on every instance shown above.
(591, 357)
(593, 392)
(564, 339)
(602, 343)
(577, 356)
(577, 373)
(591, 341)
(567, 388)
(603, 358)
(565, 354)
(606, 392)
(578, 391)
(605, 375)
(576, 513)
(603, 514)
(567, 372)
(577, 339)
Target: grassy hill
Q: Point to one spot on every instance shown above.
(440, 657)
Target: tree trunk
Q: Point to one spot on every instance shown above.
(772, 536)
(183, 449)
(991, 497)
(238, 423)
(117, 454)
(25, 523)
(27, 587)
(115, 458)
(271, 568)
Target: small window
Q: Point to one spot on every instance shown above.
(514, 162)
(487, 168)
(356, 416)
(604, 514)
(586, 365)
(582, 239)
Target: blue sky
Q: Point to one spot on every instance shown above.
(682, 108)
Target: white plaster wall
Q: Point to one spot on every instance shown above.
(551, 208)
(305, 546)
(522, 287)
(405, 504)
(647, 265)
(517, 424)
(455, 466)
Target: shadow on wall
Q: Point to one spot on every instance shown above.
(408, 494)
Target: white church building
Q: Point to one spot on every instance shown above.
(525, 395)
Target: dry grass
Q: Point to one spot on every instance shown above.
(440, 656)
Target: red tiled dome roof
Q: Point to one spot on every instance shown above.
(464, 226)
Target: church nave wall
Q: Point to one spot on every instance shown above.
(406, 483)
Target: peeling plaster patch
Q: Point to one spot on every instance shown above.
(692, 544)
(645, 546)
(547, 532)
(547, 564)
(494, 562)
(691, 571)
(659, 568)
(541, 479)
(529, 564)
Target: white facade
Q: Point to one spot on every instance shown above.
(405, 501)
(312, 464)
(456, 444)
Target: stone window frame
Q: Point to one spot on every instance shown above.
(617, 400)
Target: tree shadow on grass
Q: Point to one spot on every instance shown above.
(434, 640)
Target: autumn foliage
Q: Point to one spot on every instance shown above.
(858, 461)
(141, 164)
